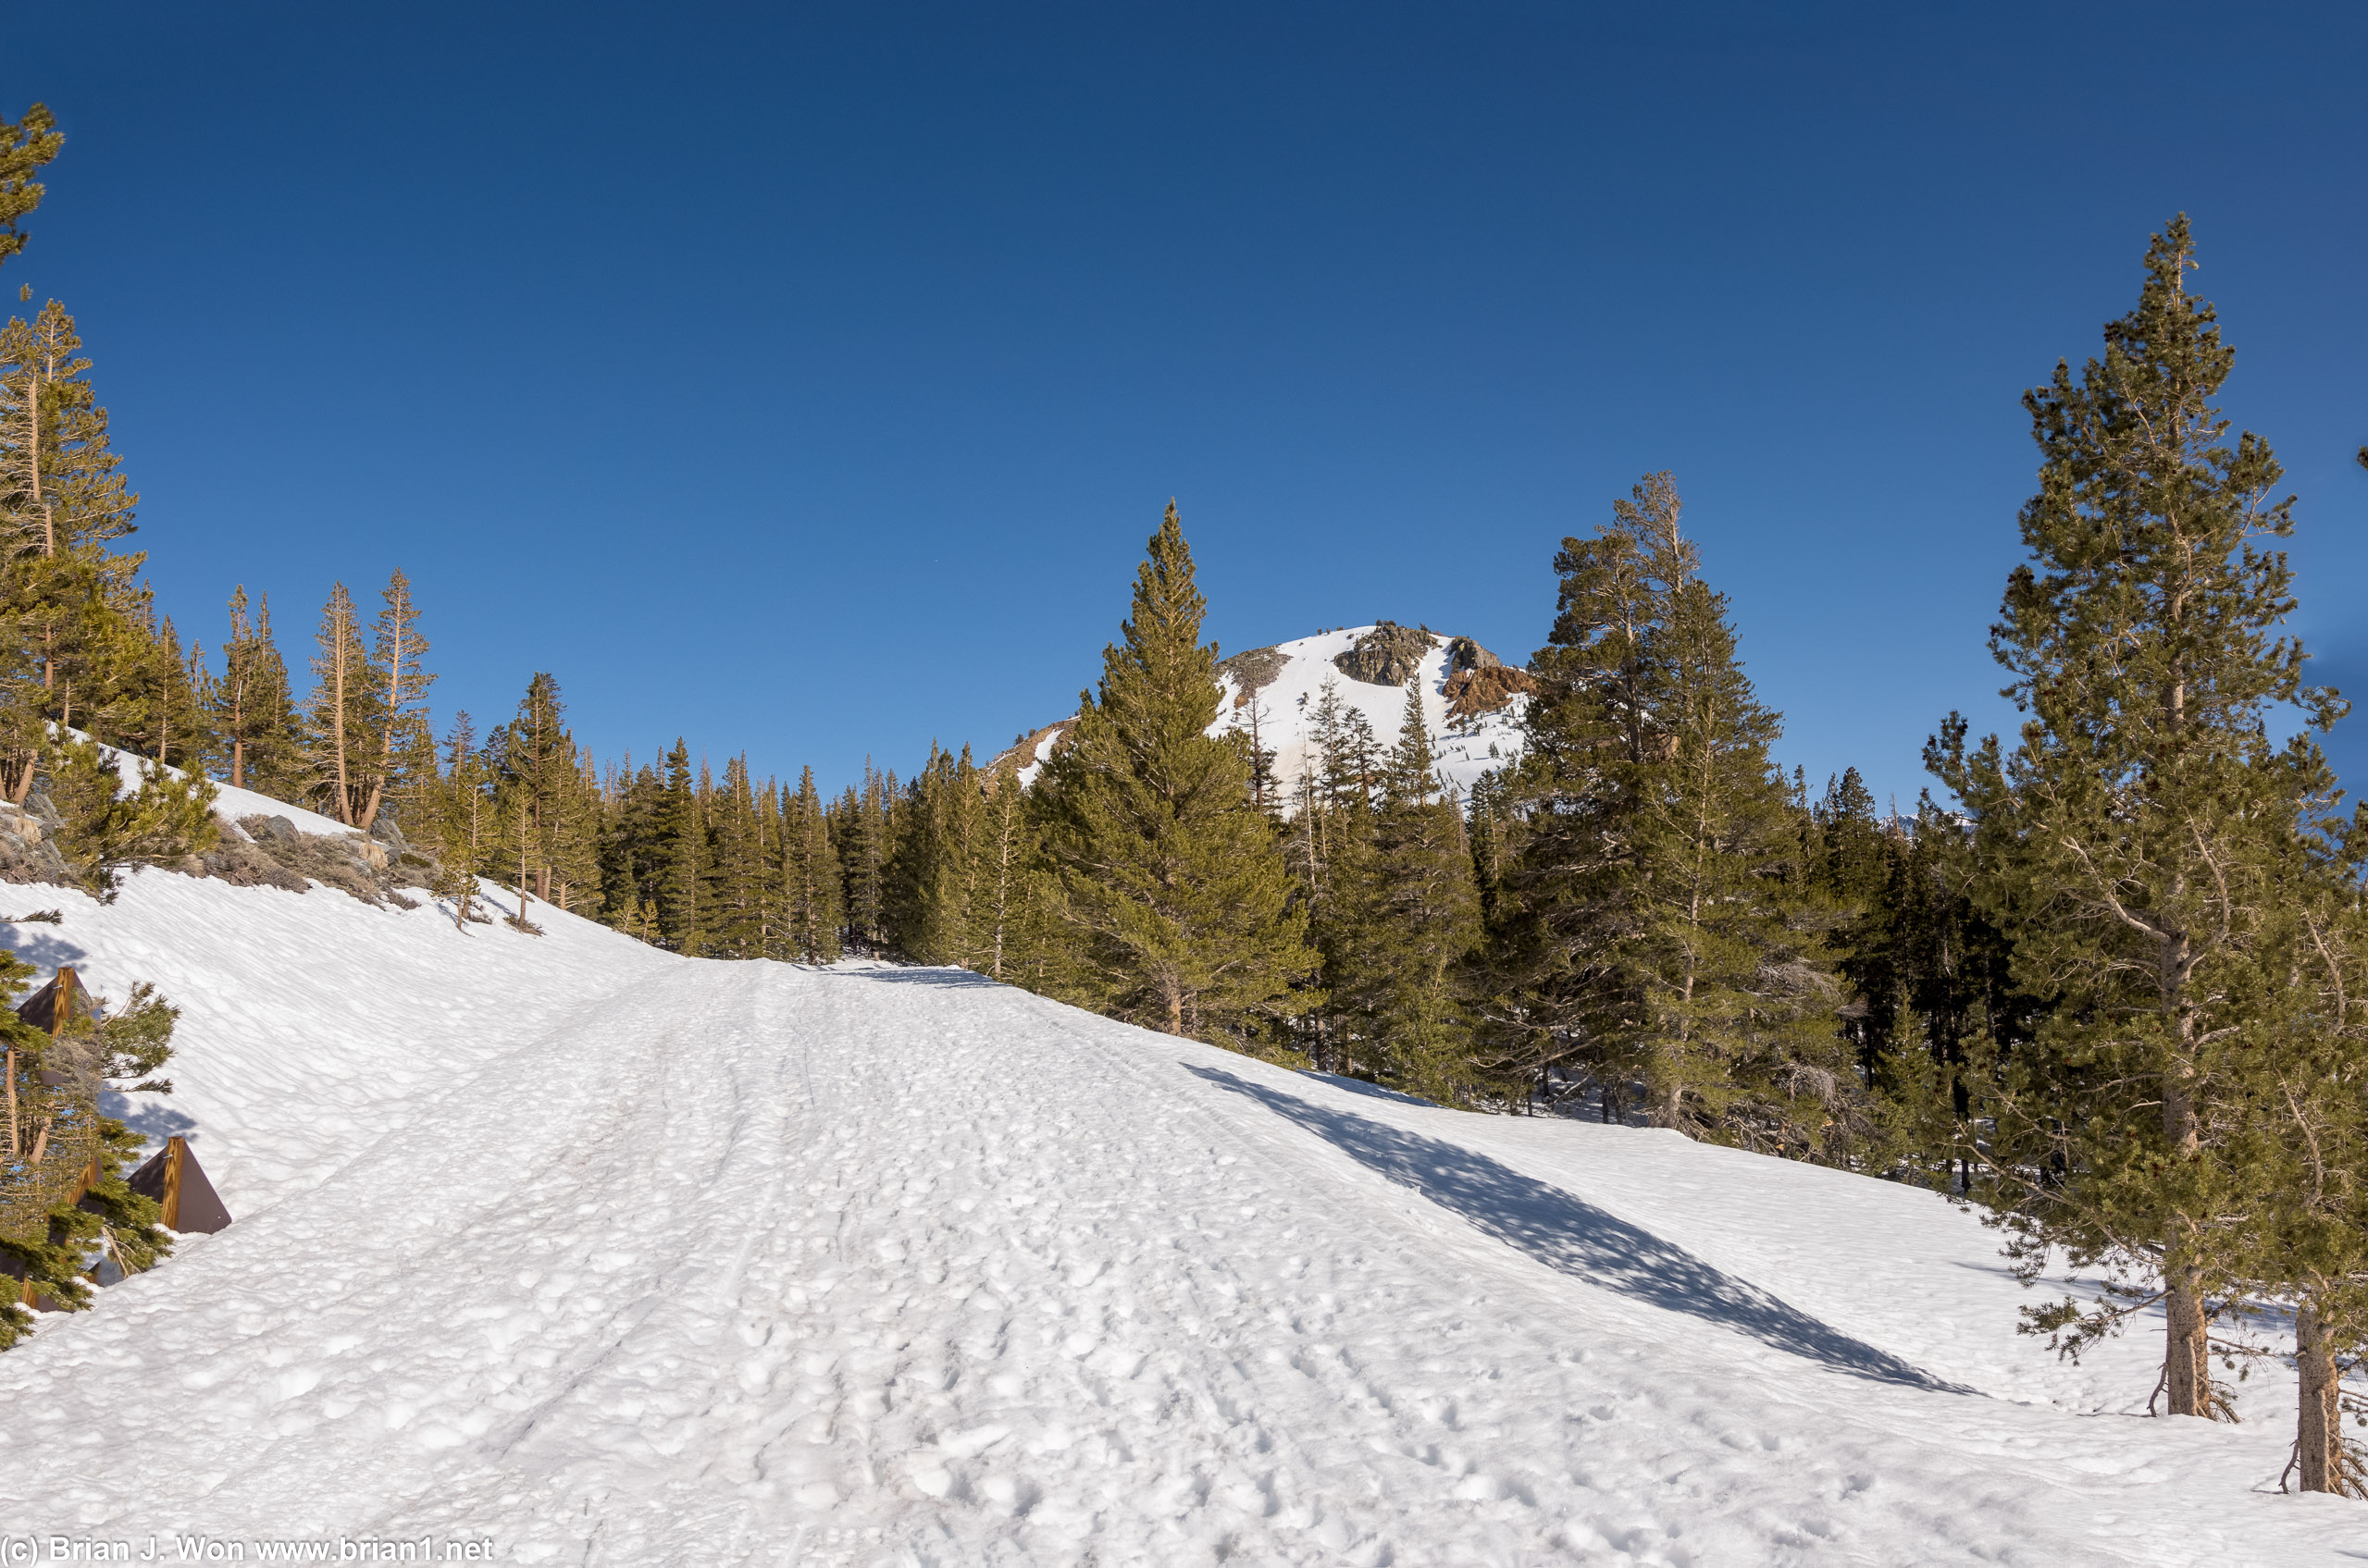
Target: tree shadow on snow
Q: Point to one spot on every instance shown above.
(1575, 1237)
(152, 1119)
(41, 946)
(919, 977)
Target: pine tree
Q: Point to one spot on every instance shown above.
(1421, 924)
(1003, 896)
(252, 709)
(347, 711)
(2302, 1141)
(1740, 1030)
(402, 723)
(25, 147)
(574, 857)
(929, 879)
(1331, 853)
(862, 839)
(157, 707)
(810, 878)
(1173, 887)
(105, 827)
(204, 750)
(1851, 861)
(773, 870)
(682, 876)
(63, 503)
(1563, 992)
(737, 870)
(633, 849)
(1654, 923)
(2139, 838)
(535, 758)
(459, 829)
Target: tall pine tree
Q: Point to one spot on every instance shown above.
(252, 713)
(810, 878)
(346, 712)
(1173, 887)
(2139, 838)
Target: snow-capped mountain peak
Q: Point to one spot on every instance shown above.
(1471, 700)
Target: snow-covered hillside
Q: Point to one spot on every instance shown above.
(611, 1256)
(1284, 683)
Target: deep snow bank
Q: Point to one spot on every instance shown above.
(616, 1257)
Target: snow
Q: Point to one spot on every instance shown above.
(229, 804)
(233, 804)
(1041, 754)
(1465, 751)
(606, 1255)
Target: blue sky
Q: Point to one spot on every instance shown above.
(805, 380)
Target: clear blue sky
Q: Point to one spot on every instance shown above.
(806, 381)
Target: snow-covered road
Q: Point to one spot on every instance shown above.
(614, 1257)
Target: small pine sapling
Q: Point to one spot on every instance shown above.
(106, 828)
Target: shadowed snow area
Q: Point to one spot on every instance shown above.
(617, 1257)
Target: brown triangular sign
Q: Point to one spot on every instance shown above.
(174, 1178)
(49, 1008)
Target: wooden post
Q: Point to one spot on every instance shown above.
(175, 1151)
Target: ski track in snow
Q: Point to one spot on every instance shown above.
(617, 1257)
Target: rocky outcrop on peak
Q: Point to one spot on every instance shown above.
(1465, 654)
(1252, 671)
(1388, 655)
(1484, 688)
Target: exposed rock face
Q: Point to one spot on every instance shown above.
(1484, 688)
(1252, 671)
(279, 855)
(1465, 654)
(1387, 655)
(28, 847)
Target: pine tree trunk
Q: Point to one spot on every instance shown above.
(469, 871)
(2187, 1358)
(387, 741)
(48, 523)
(2186, 1353)
(337, 725)
(2318, 1439)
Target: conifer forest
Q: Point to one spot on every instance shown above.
(2106, 982)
